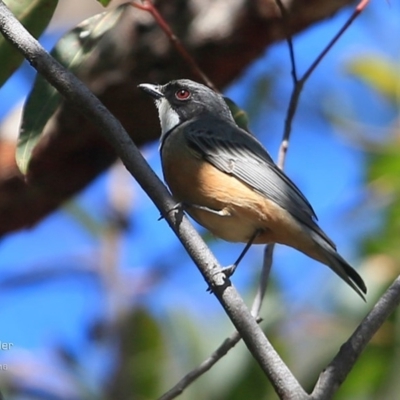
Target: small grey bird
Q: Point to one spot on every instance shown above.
(228, 182)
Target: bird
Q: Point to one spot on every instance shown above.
(226, 180)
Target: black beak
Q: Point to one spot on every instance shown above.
(152, 90)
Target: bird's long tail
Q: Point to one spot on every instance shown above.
(333, 260)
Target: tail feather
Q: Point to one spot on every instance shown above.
(347, 273)
(338, 265)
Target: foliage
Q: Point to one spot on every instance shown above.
(75, 52)
(35, 16)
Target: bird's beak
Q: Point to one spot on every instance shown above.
(152, 90)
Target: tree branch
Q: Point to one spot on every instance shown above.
(228, 344)
(298, 84)
(336, 372)
(82, 99)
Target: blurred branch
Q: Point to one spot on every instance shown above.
(163, 24)
(264, 278)
(357, 11)
(81, 98)
(336, 372)
(228, 344)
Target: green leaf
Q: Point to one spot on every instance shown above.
(104, 3)
(76, 50)
(142, 355)
(384, 168)
(370, 376)
(238, 114)
(381, 74)
(35, 15)
(383, 173)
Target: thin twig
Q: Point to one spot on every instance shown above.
(148, 6)
(289, 40)
(357, 11)
(207, 364)
(299, 83)
(336, 372)
(264, 278)
(283, 148)
(231, 341)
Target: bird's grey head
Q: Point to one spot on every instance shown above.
(182, 100)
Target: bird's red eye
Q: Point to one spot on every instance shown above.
(182, 94)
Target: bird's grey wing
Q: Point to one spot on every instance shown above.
(238, 153)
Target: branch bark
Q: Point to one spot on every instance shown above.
(336, 372)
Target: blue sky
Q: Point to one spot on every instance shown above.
(328, 168)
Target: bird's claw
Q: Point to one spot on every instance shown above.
(227, 272)
(178, 207)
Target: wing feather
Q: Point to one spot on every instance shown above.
(238, 153)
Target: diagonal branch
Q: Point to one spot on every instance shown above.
(336, 372)
(228, 344)
(80, 97)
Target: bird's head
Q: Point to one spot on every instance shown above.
(183, 100)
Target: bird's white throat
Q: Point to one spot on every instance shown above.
(169, 118)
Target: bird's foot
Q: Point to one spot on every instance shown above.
(178, 207)
(227, 272)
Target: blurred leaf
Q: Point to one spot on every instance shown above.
(238, 114)
(382, 75)
(384, 168)
(259, 98)
(142, 353)
(104, 3)
(75, 51)
(48, 274)
(252, 384)
(369, 377)
(84, 218)
(35, 15)
(383, 176)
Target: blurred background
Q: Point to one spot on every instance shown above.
(100, 301)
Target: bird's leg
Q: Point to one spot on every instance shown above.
(222, 213)
(229, 271)
(182, 206)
